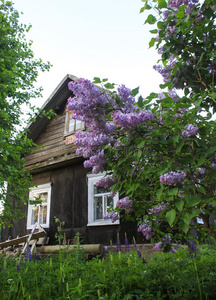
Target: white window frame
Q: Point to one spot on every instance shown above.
(43, 188)
(92, 179)
(67, 124)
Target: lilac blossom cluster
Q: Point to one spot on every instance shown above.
(88, 105)
(172, 177)
(106, 182)
(190, 130)
(96, 162)
(157, 209)
(111, 215)
(125, 203)
(132, 120)
(146, 230)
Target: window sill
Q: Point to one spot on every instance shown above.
(103, 223)
(42, 225)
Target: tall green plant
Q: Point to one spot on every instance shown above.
(18, 74)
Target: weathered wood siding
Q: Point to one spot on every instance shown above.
(53, 145)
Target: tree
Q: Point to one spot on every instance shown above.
(18, 73)
(159, 152)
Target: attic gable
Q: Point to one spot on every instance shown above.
(54, 102)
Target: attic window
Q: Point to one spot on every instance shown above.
(72, 125)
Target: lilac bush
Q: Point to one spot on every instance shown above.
(156, 148)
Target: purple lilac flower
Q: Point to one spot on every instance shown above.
(96, 162)
(201, 170)
(158, 247)
(146, 230)
(190, 130)
(214, 165)
(125, 96)
(166, 239)
(157, 209)
(111, 215)
(161, 96)
(128, 120)
(106, 182)
(125, 203)
(172, 177)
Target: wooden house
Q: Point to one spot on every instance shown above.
(65, 188)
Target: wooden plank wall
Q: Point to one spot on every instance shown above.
(52, 140)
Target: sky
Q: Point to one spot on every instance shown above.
(91, 38)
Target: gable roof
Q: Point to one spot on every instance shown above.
(55, 100)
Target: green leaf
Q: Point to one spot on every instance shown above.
(162, 4)
(179, 204)
(109, 86)
(193, 200)
(96, 80)
(201, 189)
(152, 42)
(135, 91)
(150, 19)
(201, 161)
(184, 227)
(153, 31)
(159, 193)
(160, 24)
(140, 102)
(173, 192)
(170, 216)
(179, 147)
(187, 218)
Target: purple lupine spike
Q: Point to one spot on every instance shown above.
(28, 255)
(118, 244)
(127, 245)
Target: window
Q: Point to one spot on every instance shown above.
(99, 202)
(40, 211)
(72, 125)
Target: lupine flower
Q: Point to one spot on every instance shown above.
(125, 203)
(192, 248)
(18, 267)
(118, 244)
(190, 130)
(111, 215)
(172, 177)
(28, 255)
(127, 245)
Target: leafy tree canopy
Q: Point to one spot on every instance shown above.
(18, 73)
